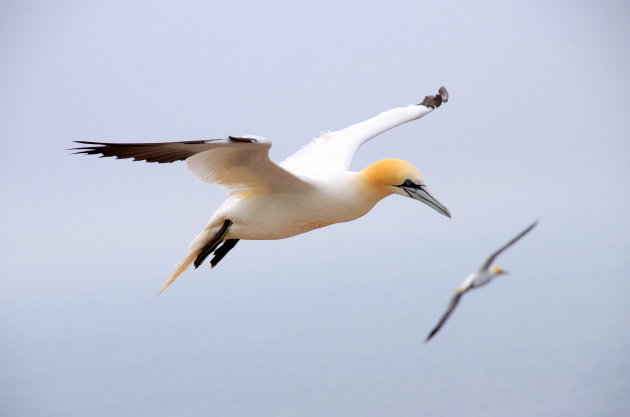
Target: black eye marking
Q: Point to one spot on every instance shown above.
(410, 184)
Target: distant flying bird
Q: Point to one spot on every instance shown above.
(311, 189)
(484, 275)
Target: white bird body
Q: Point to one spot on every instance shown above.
(269, 216)
(476, 280)
(311, 189)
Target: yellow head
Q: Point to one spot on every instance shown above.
(391, 171)
(497, 270)
(389, 176)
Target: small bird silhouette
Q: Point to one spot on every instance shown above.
(481, 277)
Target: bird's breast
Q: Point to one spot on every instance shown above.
(278, 216)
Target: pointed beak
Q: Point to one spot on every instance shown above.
(422, 193)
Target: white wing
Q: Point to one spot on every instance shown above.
(333, 151)
(238, 164)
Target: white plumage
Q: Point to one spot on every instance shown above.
(310, 189)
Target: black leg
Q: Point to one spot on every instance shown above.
(213, 243)
(222, 251)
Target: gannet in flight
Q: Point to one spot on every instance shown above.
(311, 189)
(484, 275)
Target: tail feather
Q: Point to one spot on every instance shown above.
(201, 247)
(181, 267)
(213, 243)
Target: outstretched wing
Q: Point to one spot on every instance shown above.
(451, 307)
(238, 164)
(492, 257)
(333, 151)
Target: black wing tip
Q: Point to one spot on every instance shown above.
(98, 145)
(436, 101)
(433, 333)
(444, 94)
(101, 152)
(85, 142)
(242, 140)
(148, 152)
(95, 148)
(529, 228)
(84, 149)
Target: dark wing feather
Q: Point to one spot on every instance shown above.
(451, 306)
(236, 163)
(151, 152)
(436, 101)
(492, 257)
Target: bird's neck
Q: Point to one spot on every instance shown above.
(370, 185)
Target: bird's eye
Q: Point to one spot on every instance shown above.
(408, 183)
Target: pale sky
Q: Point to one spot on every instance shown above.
(329, 323)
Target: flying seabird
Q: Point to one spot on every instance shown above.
(484, 275)
(311, 189)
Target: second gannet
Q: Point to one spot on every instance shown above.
(311, 189)
(484, 275)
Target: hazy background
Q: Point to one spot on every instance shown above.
(330, 323)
